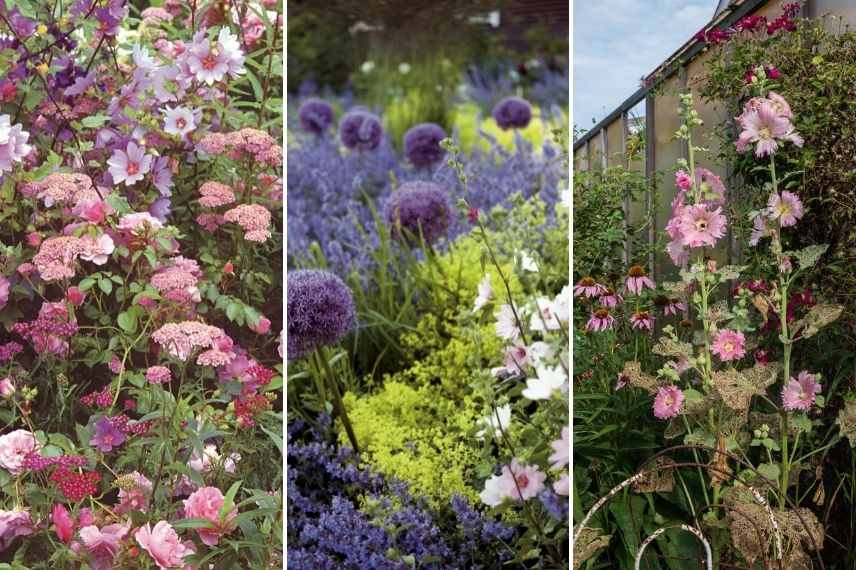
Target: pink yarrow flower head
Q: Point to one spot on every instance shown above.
(638, 280)
(785, 207)
(729, 345)
(13, 143)
(13, 524)
(683, 180)
(181, 339)
(158, 374)
(14, 447)
(800, 392)
(215, 194)
(765, 127)
(700, 226)
(642, 320)
(516, 482)
(589, 288)
(129, 165)
(163, 545)
(56, 257)
(600, 320)
(668, 402)
(206, 503)
(253, 218)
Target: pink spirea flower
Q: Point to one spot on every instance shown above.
(588, 287)
(516, 482)
(14, 447)
(215, 194)
(785, 207)
(13, 524)
(206, 503)
(765, 127)
(800, 392)
(642, 320)
(158, 374)
(56, 257)
(103, 543)
(13, 143)
(600, 320)
(700, 226)
(561, 450)
(729, 345)
(180, 339)
(637, 280)
(253, 218)
(683, 180)
(668, 402)
(129, 165)
(163, 545)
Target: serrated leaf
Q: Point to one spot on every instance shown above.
(808, 256)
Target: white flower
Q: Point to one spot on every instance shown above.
(562, 304)
(538, 352)
(143, 60)
(98, 250)
(563, 486)
(485, 293)
(497, 425)
(548, 381)
(506, 324)
(179, 121)
(404, 68)
(14, 446)
(367, 66)
(528, 263)
(561, 450)
(138, 220)
(545, 318)
(13, 143)
(515, 482)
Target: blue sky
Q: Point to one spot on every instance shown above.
(616, 42)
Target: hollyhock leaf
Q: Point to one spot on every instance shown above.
(770, 471)
(808, 256)
(818, 317)
(735, 389)
(846, 421)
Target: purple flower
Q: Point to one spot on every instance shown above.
(161, 209)
(316, 116)
(512, 113)
(422, 144)
(106, 435)
(418, 209)
(320, 310)
(129, 166)
(360, 130)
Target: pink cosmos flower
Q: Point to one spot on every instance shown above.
(13, 524)
(668, 402)
(163, 545)
(561, 450)
(63, 523)
(785, 207)
(801, 392)
(103, 544)
(129, 166)
(637, 280)
(179, 121)
(600, 320)
(683, 180)
(206, 504)
(729, 345)
(516, 482)
(765, 127)
(14, 446)
(700, 226)
(589, 288)
(642, 320)
(759, 230)
(13, 143)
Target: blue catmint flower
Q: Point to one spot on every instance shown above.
(316, 116)
(512, 113)
(422, 144)
(360, 130)
(320, 310)
(418, 209)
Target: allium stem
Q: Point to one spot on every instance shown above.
(338, 405)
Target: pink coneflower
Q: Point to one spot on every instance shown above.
(589, 288)
(787, 208)
(622, 381)
(759, 230)
(129, 166)
(668, 402)
(642, 320)
(600, 320)
(637, 280)
(729, 345)
(673, 306)
(683, 180)
(700, 226)
(801, 392)
(765, 127)
(610, 299)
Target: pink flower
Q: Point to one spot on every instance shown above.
(98, 250)
(637, 280)
(785, 207)
(63, 523)
(115, 365)
(516, 482)
(729, 345)
(589, 288)
(4, 290)
(683, 180)
(778, 103)
(759, 230)
(563, 485)
(642, 320)
(163, 545)
(766, 127)
(673, 306)
(711, 187)
(561, 450)
(14, 446)
(610, 299)
(13, 524)
(253, 218)
(600, 320)
(158, 374)
(7, 388)
(180, 339)
(506, 324)
(129, 166)
(677, 251)
(134, 493)
(700, 226)
(56, 257)
(621, 382)
(75, 296)
(103, 544)
(215, 194)
(210, 63)
(13, 143)
(206, 504)
(179, 121)
(801, 392)
(262, 327)
(668, 402)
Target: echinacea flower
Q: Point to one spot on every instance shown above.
(516, 482)
(588, 287)
(729, 345)
(701, 226)
(610, 299)
(673, 306)
(129, 165)
(668, 402)
(638, 280)
(642, 320)
(785, 207)
(800, 392)
(600, 320)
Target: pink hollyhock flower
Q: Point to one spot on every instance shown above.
(785, 207)
(7, 388)
(638, 280)
(677, 251)
(801, 392)
(14, 446)
(760, 230)
(561, 450)
(63, 523)
(516, 482)
(588, 287)
(163, 545)
(729, 345)
(158, 374)
(103, 544)
(4, 290)
(683, 180)
(13, 143)
(600, 320)
(13, 524)
(179, 121)
(206, 504)
(642, 320)
(701, 226)
(610, 299)
(129, 166)
(668, 402)
(262, 327)
(765, 127)
(778, 103)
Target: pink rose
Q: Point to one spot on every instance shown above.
(13, 524)
(163, 545)
(14, 447)
(206, 504)
(75, 296)
(7, 388)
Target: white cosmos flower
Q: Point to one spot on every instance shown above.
(548, 381)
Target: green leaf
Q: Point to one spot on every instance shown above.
(128, 321)
(94, 121)
(192, 523)
(770, 471)
(229, 500)
(808, 256)
(105, 285)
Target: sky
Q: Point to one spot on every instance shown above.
(616, 42)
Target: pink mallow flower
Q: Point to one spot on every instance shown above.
(206, 504)
(600, 320)
(14, 446)
(13, 143)
(801, 392)
(729, 345)
(700, 226)
(785, 207)
(668, 402)
(163, 545)
(561, 450)
(515, 482)
(130, 165)
(638, 280)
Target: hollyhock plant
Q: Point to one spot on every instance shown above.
(668, 402)
(729, 345)
(786, 208)
(700, 226)
(801, 392)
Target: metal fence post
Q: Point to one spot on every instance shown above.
(625, 204)
(650, 169)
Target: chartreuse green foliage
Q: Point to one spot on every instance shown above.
(468, 122)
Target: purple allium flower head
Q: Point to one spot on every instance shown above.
(512, 113)
(107, 436)
(316, 116)
(422, 144)
(360, 130)
(418, 208)
(320, 310)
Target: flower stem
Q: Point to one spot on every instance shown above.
(338, 405)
